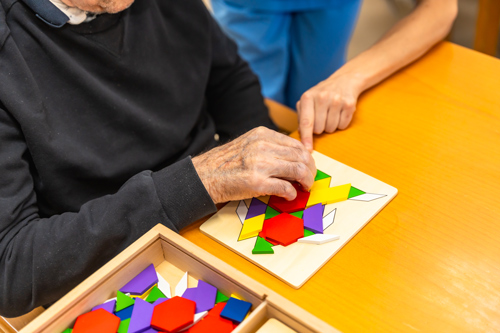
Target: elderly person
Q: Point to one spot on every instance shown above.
(102, 105)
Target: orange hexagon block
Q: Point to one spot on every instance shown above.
(97, 321)
(284, 229)
(173, 314)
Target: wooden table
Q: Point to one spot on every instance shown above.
(430, 261)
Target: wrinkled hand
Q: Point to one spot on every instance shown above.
(260, 162)
(328, 106)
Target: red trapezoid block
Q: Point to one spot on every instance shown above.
(284, 206)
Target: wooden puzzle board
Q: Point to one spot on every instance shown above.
(298, 262)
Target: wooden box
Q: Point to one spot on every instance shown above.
(172, 255)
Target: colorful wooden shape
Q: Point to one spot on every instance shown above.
(145, 295)
(235, 310)
(251, 227)
(233, 295)
(190, 293)
(205, 296)
(213, 322)
(217, 309)
(124, 324)
(125, 313)
(154, 295)
(298, 214)
(150, 330)
(256, 208)
(308, 233)
(320, 175)
(329, 195)
(220, 297)
(318, 239)
(160, 300)
(142, 282)
(271, 212)
(284, 229)
(123, 301)
(68, 330)
(321, 184)
(313, 219)
(262, 247)
(173, 314)
(328, 219)
(141, 316)
(284, 206)
(163, 285)
(242, 211)
(99, 320)
(354, 192)
(197, 317)
(262, 234)
(108, 306)
(182, 285)
(367, 197)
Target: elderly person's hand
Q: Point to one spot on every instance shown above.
(260, 162)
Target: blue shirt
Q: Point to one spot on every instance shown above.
(286, 5)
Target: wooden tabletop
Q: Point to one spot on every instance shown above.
(430, 261)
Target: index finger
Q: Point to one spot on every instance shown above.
(306, 120)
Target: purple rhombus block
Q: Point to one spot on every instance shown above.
(313, 218)
(142, 282)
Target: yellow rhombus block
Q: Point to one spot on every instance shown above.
(329, 195)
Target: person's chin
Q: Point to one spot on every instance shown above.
(114, 10)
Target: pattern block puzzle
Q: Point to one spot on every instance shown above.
(341, 201)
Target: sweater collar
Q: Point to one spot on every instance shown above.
(56, 14)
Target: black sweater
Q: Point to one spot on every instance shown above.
(97, 123)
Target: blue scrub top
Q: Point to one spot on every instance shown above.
(286, 5)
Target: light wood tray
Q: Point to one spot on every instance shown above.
(172, 255)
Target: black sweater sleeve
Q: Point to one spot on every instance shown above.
(233, 92)
(41, 259)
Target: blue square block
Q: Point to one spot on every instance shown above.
(125, 313)
(235, 310)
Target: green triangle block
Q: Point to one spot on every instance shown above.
(298, 214)
(262, 247)
(221, 297)
(154, 295)
(270, 212)
(308, 233)
(123, 301)
(124, 326)
(320, 175)
(68, 330)
(354, 192)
